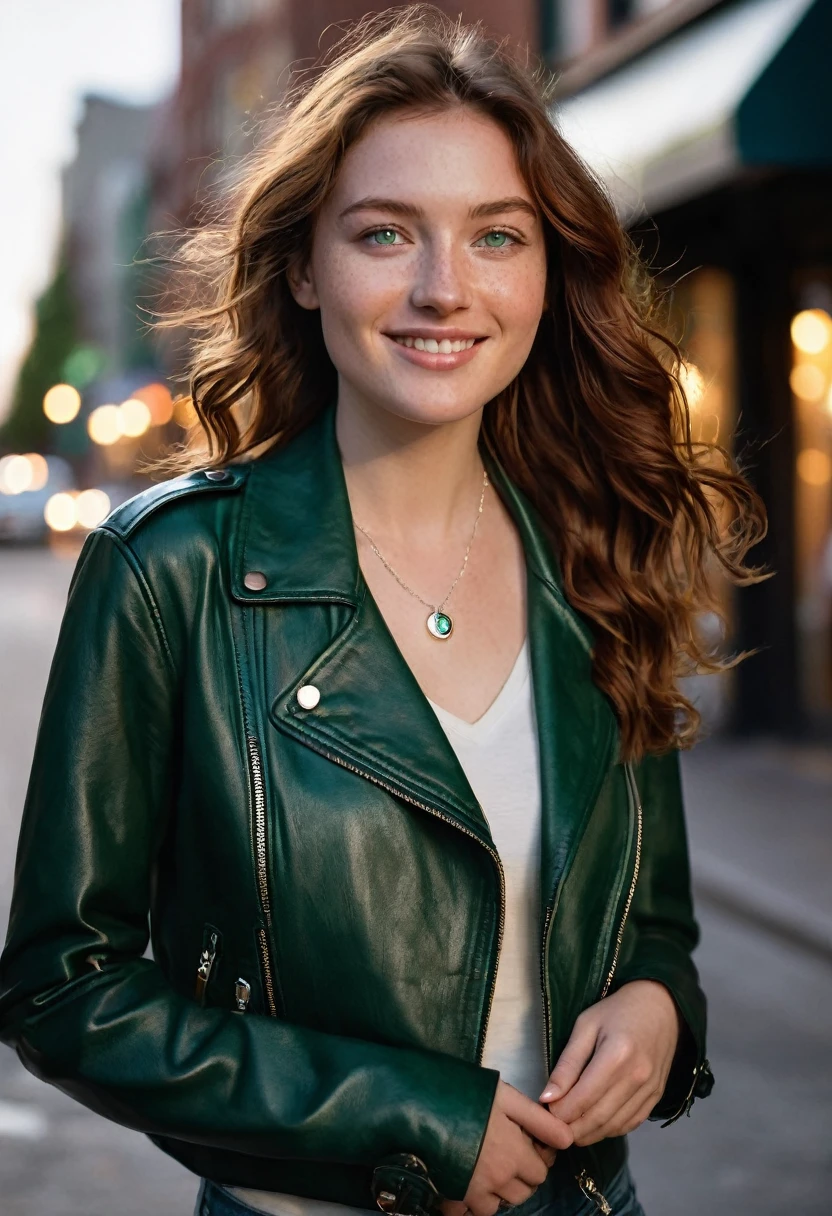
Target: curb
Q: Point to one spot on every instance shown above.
(733, 890)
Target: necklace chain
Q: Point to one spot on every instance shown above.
(436, 608)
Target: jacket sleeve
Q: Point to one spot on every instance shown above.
(662, 931)
(88, 1013)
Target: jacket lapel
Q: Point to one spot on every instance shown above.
(575, 721)
(295, 534)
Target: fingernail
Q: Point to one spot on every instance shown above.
(548, 1093)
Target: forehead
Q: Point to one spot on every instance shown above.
(456, 156)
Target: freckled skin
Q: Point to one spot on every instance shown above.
(439, 272)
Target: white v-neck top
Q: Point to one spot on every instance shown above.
(499, 756)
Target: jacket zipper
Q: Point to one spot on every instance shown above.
(684, 1109)
(391, 789)
(634, 795)
(591, 1191)
(206, 962)
(585, 1182)
(256, 771)
(242, 992)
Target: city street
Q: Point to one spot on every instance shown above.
(759, 1145)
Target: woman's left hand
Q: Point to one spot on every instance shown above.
(614, 1068)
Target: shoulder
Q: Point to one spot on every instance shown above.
(184, 497)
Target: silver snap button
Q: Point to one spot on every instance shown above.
(216, 474)
(255, 580)
(308, 696)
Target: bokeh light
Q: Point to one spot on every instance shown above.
(812, 330)
(814, 467)
(59, 512)
(693, 383)
(16, 474)
(91, 507)
(807, 382)
(40, 470)
(184, 412)
(158, 399)
(104, 424)
(134, 417)
(62, 403)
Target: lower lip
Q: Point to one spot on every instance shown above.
(438, 362)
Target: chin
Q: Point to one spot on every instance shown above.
(439, 413)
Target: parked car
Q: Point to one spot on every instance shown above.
(22, 517)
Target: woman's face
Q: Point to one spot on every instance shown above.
(430, 236)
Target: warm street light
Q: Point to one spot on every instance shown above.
(693, 383)
(134, 417)
(811, 330)
(59, 512)
(40, 470)
(91, 507)
(61, 403)
(104, 424)
(158, 399)
(19, 473)
(814, 467)
(807, 381)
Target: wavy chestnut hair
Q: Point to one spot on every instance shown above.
(595, 428)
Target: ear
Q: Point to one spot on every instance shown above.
(302, 284)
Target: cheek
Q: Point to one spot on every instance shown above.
(516, 297)
(354, 292)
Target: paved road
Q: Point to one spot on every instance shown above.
(759, 1146)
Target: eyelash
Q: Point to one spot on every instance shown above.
(515, 237)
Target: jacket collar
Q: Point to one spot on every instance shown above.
(295, 531)
(295, 527)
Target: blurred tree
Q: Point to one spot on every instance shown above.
(27, 428)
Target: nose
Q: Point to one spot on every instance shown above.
(442, 282)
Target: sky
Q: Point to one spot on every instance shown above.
(51, 53)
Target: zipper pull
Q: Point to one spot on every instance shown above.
(589, 1188)
(206, 962)
(242, 992)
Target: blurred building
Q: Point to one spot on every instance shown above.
(102, 189)
(709, 123)
(236, 59)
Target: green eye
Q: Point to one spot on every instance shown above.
(384, 236)
(496, 240)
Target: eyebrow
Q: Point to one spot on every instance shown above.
(395, 206)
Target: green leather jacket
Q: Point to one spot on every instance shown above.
(324, 899)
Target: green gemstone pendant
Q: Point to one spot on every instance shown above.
(440, 625)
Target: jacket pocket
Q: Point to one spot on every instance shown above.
(207, 964)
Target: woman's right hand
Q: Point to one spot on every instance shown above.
(511, 1165)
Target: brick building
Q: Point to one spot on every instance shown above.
(707, 121)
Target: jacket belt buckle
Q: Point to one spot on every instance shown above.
(402, 1186)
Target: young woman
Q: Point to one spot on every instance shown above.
(375, 712)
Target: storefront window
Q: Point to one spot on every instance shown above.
(703, 319)
(811, 378)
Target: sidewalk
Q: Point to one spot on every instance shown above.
(760, 823)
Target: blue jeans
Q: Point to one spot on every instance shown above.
(213, 1200)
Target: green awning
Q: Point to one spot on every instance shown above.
(750, 84)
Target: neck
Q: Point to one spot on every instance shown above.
(405, 477)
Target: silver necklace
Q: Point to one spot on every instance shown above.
(440, 624)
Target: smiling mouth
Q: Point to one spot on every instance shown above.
(432, 346)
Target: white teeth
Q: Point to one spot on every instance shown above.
(445, 347)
